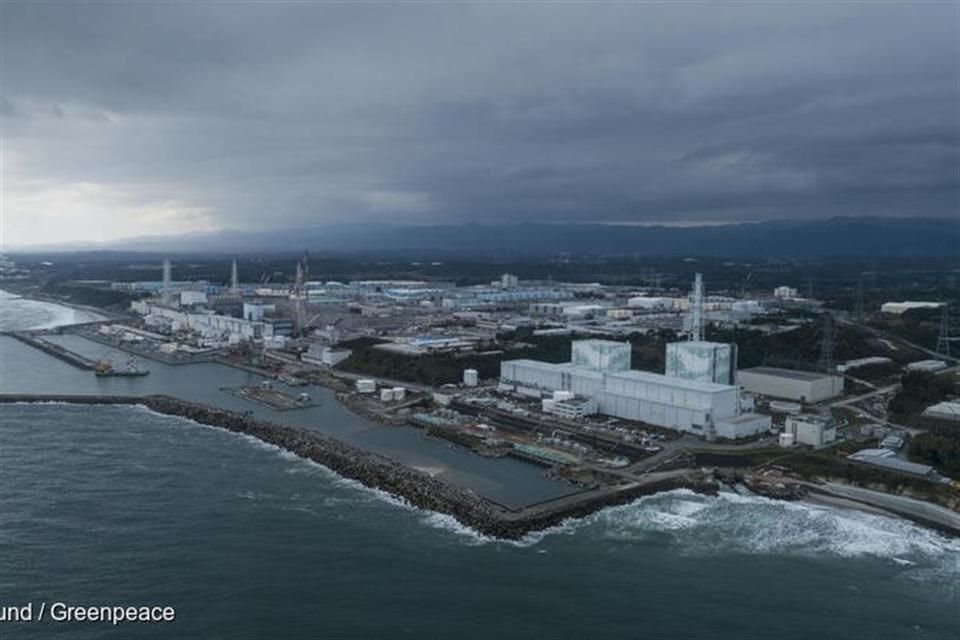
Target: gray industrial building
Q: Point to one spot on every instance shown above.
(802, 386)
(598, 372)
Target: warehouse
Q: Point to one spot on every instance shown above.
(888, 461)
(789, 384)
(944, 411)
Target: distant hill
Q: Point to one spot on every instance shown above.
(837, 237)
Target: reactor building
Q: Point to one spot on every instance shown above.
(599, 370)
(701, 360)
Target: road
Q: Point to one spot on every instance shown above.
(676, 447)
(901, 505)
(895, 338)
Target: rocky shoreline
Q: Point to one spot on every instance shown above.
(375, 471)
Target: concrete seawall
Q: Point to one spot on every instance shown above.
(55, 350)
(379, 472)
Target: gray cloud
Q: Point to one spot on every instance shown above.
(253, 114)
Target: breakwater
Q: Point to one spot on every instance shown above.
(55, 350)
(379, 472)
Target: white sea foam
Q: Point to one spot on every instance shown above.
(449, 523)
(21, 313)
(758, 525)
(32, 403)
(728, 523)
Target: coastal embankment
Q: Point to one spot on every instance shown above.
(51, 349)
(378, 472)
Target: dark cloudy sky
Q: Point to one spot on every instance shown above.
(122, 119)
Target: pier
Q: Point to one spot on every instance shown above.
(269, 397)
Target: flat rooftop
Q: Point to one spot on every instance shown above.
(793, 374)
(630, 374)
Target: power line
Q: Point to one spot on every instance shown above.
(826, 344)
(858, 305)
(943, 340)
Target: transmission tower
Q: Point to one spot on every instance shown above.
(943, 341)
(858, 305)
(826, 344)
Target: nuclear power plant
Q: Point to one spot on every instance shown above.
(697, 393)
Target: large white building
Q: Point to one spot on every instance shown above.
(213, 329)
(600, 371)
(802, 386)
(701, 360)
(814, 431)
(322, 355)
(944, 410)
(600, 355)
(649, 302)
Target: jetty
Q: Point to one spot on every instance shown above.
(415, 487)
(52, 349)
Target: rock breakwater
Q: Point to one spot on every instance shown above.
(375, 471)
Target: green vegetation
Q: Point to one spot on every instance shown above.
(441, 369)
(746, 458)
(832, 464)
(796, 348)
(919, 390)
(428, 369)
(919, 326)
(938, 447)
(90, 296)
(876, 372)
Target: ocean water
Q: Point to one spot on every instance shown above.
(23, 313)
(122, 506)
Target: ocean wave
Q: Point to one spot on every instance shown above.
(727, 523)
(21, 313)
(695, 524)
(757, 525)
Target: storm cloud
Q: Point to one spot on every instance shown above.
(123, 119)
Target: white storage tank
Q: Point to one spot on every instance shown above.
(399, 393)
(386, 395)
(470, 377)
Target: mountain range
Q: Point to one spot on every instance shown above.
(835, 237)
